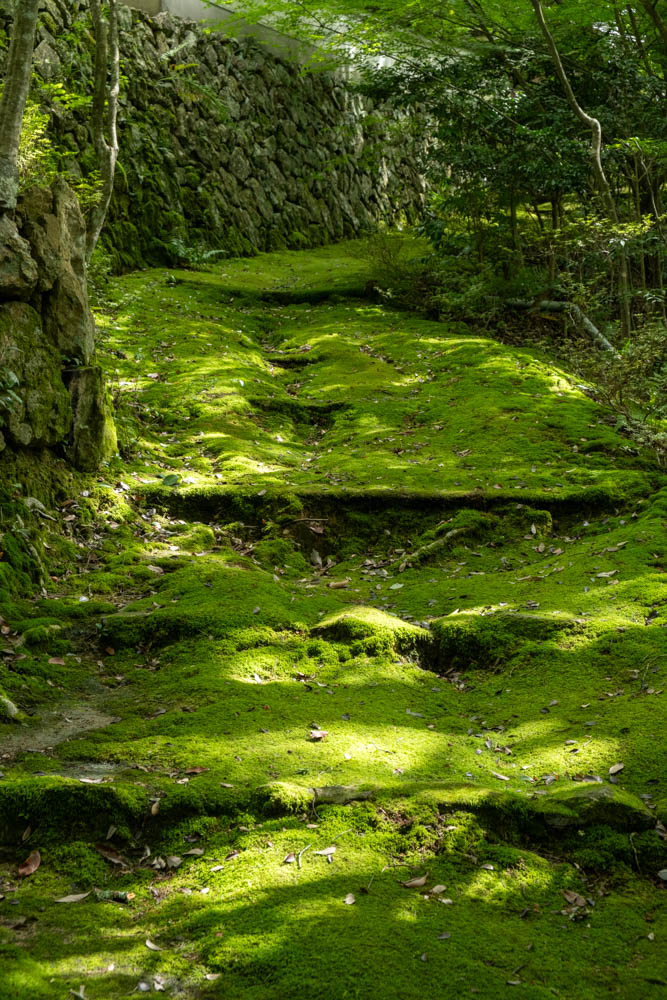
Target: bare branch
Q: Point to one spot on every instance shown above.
(104, 113)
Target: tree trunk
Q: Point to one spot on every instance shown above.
(596, 159)
(14, 96)
(104, 113)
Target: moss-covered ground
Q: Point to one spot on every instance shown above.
(334, 518)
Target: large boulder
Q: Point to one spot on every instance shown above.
(66, 310)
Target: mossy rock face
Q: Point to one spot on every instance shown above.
(373, 630)
(469, 640)
(44, 416)
(593, 805)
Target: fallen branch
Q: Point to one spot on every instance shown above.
(554, 306)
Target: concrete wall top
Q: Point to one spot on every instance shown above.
(197, 10)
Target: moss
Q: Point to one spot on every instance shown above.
(385, 443)
(282, 798)
(378, 631)
(474, 640)
(54, 804)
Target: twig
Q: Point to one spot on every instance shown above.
(634, 851)
(342, 834)
(303, 851)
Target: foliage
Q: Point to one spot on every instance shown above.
(187, 256)
(38, 159)
(507, 159)
(632, 384)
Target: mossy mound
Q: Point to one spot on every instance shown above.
(372, 631)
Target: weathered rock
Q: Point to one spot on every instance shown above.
(8, 710)
(93, 432)
(43, 231)
(68, 321)
(46, 61)
(18, 271)
(45, 414)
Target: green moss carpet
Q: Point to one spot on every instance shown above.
(348, 677)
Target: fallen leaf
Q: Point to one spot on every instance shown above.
(196, 770)
(318, 734)
(289, 859)
(326, 851)
(111, 854)
(151, 946)
(173, 861)
(349, 899)
(197, 851)
(74, 898)
(501, 777)
(31, 864)
(444, 936)
(437, 889)
(416, 883)
(615, 768)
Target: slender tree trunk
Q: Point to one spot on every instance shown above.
(104, 113)
(14, 96)
(650, 6)
(596, 157)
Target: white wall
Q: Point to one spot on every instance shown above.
(197, 10)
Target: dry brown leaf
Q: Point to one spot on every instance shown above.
(111, 854)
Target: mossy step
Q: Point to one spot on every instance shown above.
(54, 806)
(211, 501)
(539, 816)
(472, 639)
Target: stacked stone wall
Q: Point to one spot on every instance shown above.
(224, 144)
